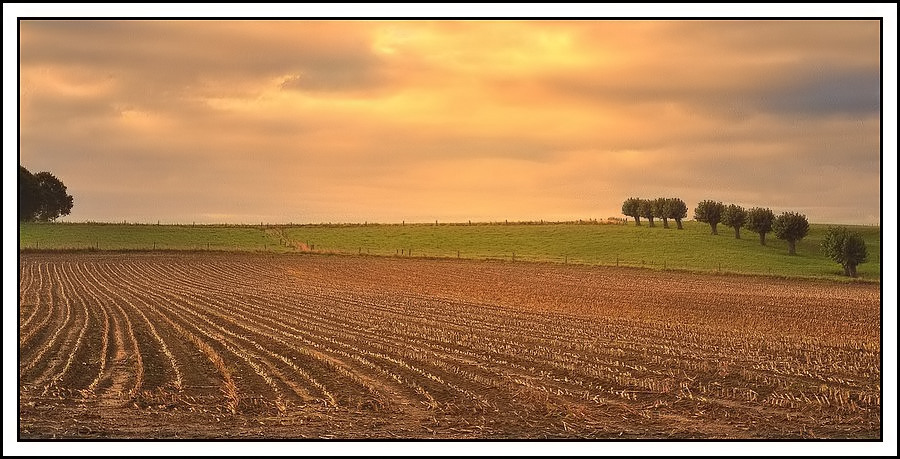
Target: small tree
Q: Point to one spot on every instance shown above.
(677, 209)
(709, 212)
(29, 195)
(791, 227)
(661, 206)
(646, 208)
(759, 221)
(54, 200)
(632, 208)
(735, 217)
(845, 247)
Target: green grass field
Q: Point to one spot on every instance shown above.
(116, 236)
(597, 244)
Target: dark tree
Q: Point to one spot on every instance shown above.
(632, 208)
(677, 209)
(661, 208)
(646, 208)
(735, 217)
(709, 212)
(791, 227)
(55, 201)
(29, 196)
(760, 221)
(42, 197)
(845, 247)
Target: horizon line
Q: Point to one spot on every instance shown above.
(582, 221)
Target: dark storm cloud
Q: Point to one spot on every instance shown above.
(812, 89)
(827, 92)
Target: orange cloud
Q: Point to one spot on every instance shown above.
(389, 120)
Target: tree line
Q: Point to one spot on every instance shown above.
(662, 208)
(42, 197)
(789, 226)
(841, 245)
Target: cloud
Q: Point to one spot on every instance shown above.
(442, 119)
(827, 92)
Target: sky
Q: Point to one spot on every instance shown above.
(317, 121)
(308, 121)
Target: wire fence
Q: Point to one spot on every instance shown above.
(505, 256)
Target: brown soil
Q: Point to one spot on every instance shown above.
(312, 346)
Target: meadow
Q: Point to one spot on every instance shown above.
(124, 236)
(590, 243)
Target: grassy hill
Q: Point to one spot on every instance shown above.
(120, 236)
(598, 244)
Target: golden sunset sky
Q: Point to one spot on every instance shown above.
(311, 121)
(353, 120)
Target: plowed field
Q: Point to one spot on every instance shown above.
(306, 346)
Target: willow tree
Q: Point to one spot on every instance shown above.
(661, 208)
(735, 217)
(709, 212)
(677, 210)
(632, 208)
(791, 227)
(760, 221)
(845, 247)
(647, 210)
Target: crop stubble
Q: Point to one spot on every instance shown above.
(299, 346)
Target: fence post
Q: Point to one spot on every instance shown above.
(457, 254)
(617, 261)
(514, 256)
